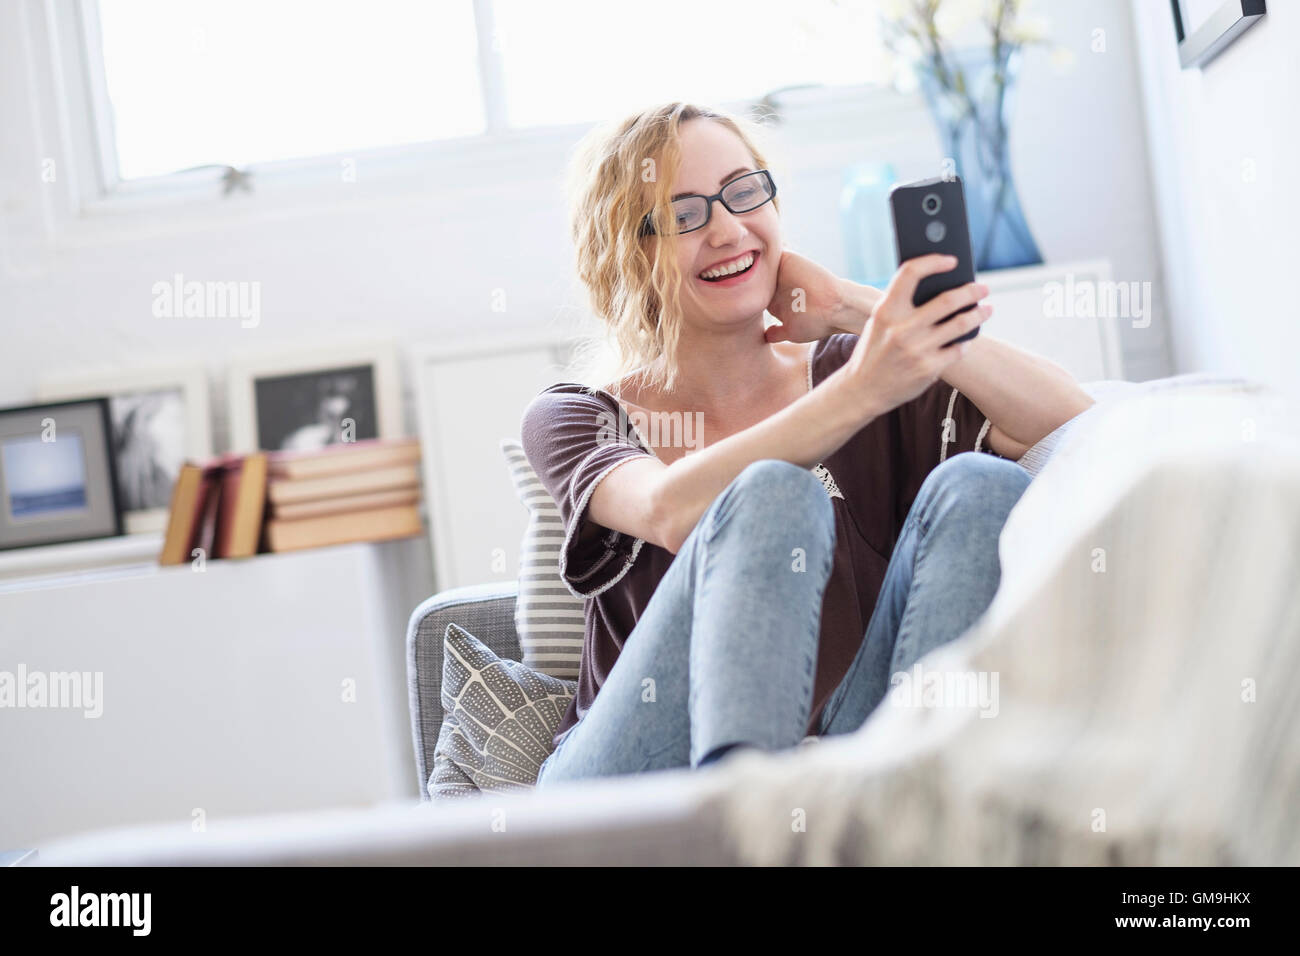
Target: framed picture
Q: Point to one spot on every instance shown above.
(160, 419)
(1204, 28)
(312, 399)
(57, 481)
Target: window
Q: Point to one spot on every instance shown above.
(570, 61)
(235, 83)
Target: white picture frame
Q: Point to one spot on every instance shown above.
(247, 374)
(117, 385)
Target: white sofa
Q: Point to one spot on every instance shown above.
(1144, 643)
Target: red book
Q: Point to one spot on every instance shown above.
(242, 503)
(191, 521)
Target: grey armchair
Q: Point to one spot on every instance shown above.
(485, 610)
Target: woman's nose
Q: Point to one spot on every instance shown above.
(724, 228)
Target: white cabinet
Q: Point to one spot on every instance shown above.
(1025, 314)
(274, 683)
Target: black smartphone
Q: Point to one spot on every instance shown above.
(930, 217)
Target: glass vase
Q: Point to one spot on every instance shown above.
(970, 95)
(865, 223)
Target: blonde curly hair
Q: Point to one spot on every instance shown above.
(620, 171)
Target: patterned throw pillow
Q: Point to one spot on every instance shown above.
(548, 617)
(499, 718)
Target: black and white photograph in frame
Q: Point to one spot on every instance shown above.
(57, 482)
(160, 419)
(306, 401)
(309, 410)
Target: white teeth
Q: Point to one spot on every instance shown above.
(740, 265)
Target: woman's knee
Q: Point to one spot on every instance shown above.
(974, 480)
(774, 490)
(550, 770)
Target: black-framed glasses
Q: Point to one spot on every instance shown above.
(743, 194)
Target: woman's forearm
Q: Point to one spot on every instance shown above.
(854, 308)
(1025, 396)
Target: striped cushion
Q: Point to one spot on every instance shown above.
(548, 618)
(499, 718)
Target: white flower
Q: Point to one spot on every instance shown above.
(962, 22)
(1063, 59)
(1029, 30)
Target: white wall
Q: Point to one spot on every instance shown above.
(418, 259)
(1223, 141)
(1079, 151)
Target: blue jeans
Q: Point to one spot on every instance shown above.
(726, 650)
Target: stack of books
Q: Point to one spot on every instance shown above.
(238, 505)
(361, 491)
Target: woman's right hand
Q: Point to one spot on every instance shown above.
(901, 351)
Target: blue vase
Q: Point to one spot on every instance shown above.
(970, 97)
(865, 224)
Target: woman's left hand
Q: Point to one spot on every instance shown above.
(812, 302)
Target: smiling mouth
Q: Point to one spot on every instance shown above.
(730, 270)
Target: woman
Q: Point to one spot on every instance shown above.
(823, 531)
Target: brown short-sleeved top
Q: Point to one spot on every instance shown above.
(574, 438)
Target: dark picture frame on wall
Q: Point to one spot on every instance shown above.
(1205, 28)
(308, 399)
(58, 476)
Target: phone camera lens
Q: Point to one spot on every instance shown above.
(931, 203)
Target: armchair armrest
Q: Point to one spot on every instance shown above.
(485, 610)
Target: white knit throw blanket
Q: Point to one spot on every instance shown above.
(1145, 643)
